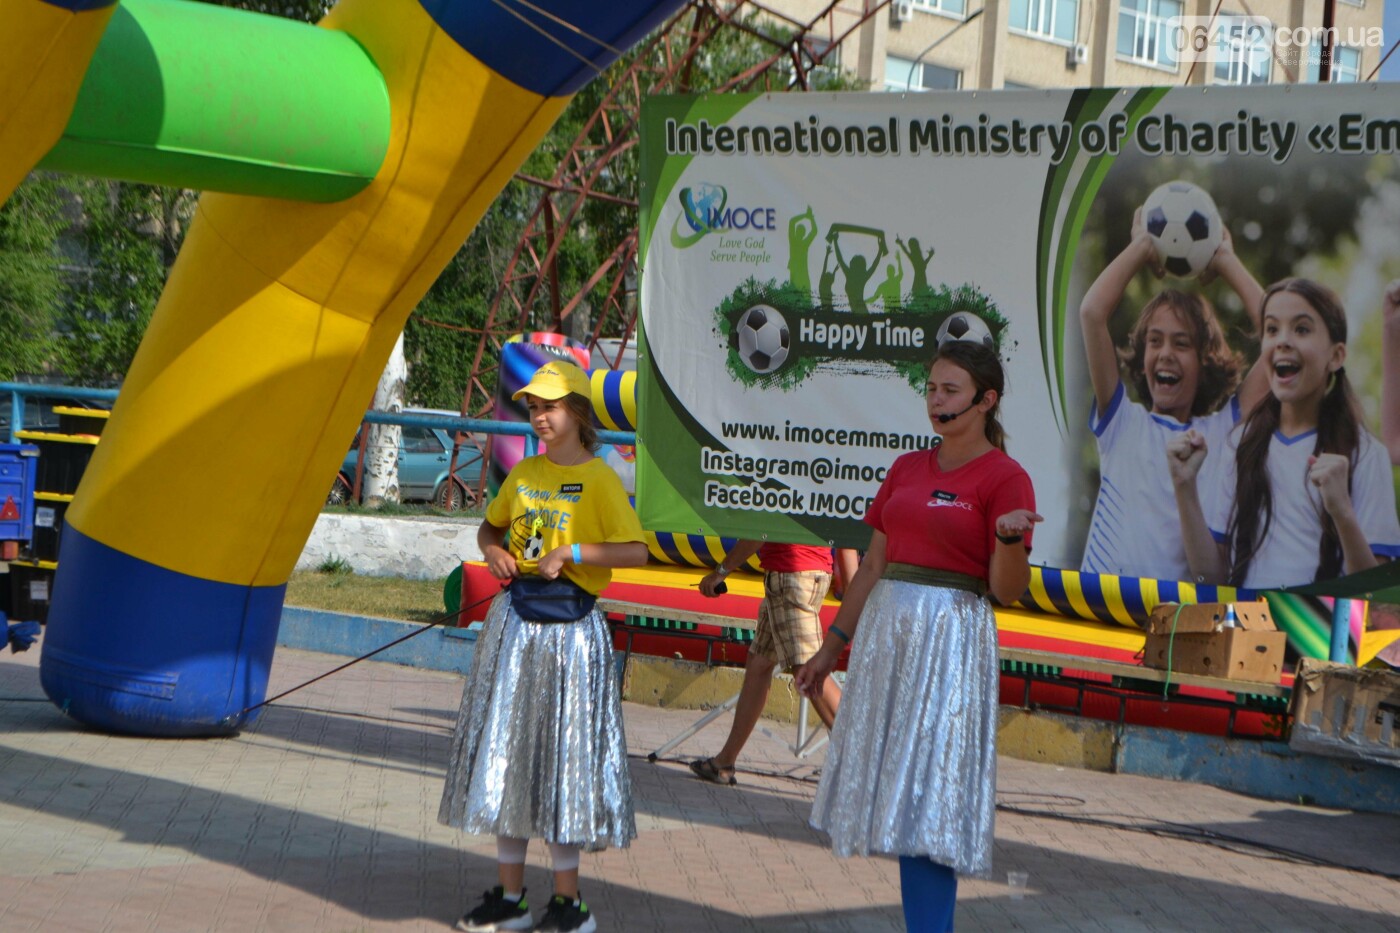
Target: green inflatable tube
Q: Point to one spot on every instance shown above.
(197, 96)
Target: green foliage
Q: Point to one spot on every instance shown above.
(336, 566)
(128, 237)
(308, 11)
(30, 274)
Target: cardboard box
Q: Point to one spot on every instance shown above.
(1346, 712)
(1204, 645)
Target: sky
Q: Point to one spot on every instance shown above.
(1391, 25)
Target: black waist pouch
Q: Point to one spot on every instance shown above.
(536, 599)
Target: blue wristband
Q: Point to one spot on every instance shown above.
(577, 551)
(839, 634)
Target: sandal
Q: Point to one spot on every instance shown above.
(706, 770)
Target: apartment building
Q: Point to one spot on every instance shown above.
(974, 44)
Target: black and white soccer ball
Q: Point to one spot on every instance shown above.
(764, 340)
(964, 325)
(534, 547)
(1185, 227)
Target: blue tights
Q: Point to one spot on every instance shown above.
(929, 891)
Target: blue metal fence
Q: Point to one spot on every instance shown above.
(20, 390)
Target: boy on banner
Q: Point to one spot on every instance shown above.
(1184, 373)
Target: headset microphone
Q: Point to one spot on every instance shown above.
(944, 419)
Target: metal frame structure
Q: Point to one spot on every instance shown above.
(529, 297)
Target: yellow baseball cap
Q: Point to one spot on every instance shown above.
(555, 380)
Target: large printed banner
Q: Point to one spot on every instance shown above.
(803, 254)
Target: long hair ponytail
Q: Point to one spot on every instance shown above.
(580, 408)
(1253, 510)
(1337, 433)
(981, 363)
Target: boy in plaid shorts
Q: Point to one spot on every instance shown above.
(789, 631)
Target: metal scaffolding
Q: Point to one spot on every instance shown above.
(530, 296)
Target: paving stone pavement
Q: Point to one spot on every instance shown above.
(323, 817)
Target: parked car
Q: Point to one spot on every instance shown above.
(424, 454)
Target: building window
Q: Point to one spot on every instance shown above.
(925, 76)
(956, 8)
(1045, 19)
(1244, 52)
(1346, 65)
(1144, 33)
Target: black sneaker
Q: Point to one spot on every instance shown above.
(562, 915)
(495, 913)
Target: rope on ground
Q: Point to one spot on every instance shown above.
(440, 620)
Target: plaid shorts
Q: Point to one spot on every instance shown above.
(789, 628)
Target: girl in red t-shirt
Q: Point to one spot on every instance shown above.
(912, 765)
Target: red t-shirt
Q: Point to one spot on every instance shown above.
(947, 520)
(790, 558)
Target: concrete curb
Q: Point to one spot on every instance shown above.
(444, 649)
(1270, 770)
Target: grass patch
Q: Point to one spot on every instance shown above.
(339, 590)
(335, 564)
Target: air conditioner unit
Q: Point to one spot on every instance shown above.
(902, 10)
(1076, 55)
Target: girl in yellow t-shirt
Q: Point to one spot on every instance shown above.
(539, 748)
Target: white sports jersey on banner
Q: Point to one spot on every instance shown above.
(1289, 554)
(1136, 530)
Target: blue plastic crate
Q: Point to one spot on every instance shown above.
(18, 467)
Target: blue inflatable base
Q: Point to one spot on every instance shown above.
(134, 648)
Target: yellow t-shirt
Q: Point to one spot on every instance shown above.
(543, 506)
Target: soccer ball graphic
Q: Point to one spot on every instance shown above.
(964, 325)
(534, 547)
(1184, 225)
(764, 340)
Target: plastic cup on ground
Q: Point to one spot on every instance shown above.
(1017, 881)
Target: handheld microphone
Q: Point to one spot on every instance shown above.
(944, 419)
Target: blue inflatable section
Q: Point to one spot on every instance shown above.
(79, 6)
(550, 47)
(199, 657)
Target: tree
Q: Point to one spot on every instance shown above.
(382, 446)
(31, 223)
(127, 238)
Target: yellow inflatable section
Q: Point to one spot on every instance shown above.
(283, 313)
(44, 53)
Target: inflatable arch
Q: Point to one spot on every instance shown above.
(283, 306)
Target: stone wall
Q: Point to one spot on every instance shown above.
(398, 546)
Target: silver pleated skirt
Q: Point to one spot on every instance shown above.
(911, 768)
(539, 751)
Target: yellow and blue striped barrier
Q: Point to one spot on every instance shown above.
(1123, 601)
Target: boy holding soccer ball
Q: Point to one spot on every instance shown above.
(1183, 373)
